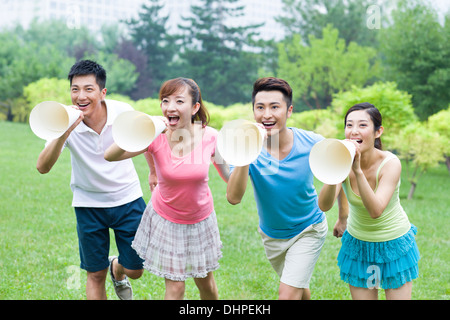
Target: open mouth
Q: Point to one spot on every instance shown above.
(357, 140)
(173, 120)
(269, 124)
(83, 105)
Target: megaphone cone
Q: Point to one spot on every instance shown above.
(240, 142)
(50, 119)
(331, 160)
(134, 130)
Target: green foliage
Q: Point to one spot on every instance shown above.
(394, 105)
(440, 123)
(321, 121)
(48, 50)
(149, 105)
(220, 115)
(45, 89)
(326, 67)
(72, 42)
(22, 65)
(121, 74)
(417, 51)
(310, 17)
(421, 148)
(214, 53)
(149, 34)
(120, 97)
(419, 145)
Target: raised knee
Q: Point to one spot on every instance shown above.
(134, 274)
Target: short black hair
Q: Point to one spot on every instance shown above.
(86, 67)
(273, 84)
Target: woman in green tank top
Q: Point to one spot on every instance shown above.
(378, 245)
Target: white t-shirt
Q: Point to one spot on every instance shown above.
(96, 182)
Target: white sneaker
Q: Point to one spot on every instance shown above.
(122, 287)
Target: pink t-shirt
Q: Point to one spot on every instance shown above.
(182, 194)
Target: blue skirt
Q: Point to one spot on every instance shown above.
(388, 265)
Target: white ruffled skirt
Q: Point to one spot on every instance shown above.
(178, 251)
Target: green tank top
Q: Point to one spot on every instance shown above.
(393, 222)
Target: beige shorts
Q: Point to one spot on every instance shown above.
(294, 259)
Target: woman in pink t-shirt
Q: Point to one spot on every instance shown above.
(178, 236)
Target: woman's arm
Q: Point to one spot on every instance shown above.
(341, 223)
(115, 153)
(152, 177)
(221, 166)
(376, 202)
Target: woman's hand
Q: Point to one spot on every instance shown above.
(165, 120)
(339, 227)
(152, 181)
(356, 165)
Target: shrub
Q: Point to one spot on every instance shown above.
(395, 107)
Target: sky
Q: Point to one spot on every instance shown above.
(442, 6)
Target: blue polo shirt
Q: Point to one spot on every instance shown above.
(284, 191)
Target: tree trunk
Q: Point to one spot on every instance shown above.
(447, 161)
(411, 191)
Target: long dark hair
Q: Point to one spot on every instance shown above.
(374, 114)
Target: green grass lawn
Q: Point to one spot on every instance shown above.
(39, 247)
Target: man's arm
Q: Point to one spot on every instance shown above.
(48, 157)
(237, 184)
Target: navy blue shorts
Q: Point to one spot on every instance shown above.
(93, 234)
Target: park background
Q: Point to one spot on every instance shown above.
(394, 54)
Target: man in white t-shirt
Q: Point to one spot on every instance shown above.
(105, 194)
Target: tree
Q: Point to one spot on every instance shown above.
(214, 53)
(417, 56)
(143, 88)
(23, 63)
(55, 33)
(325, 67)
(149, 35)
(349, 17)
(421, 149)
(322, 121)
(439, 122)
(121, 73)
(394, 105)
(45, 89)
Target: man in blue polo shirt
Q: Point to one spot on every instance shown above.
(292, 226)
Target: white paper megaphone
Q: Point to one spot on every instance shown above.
(50, 119)
(134, 130)
(331, 160)
(240, 142)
